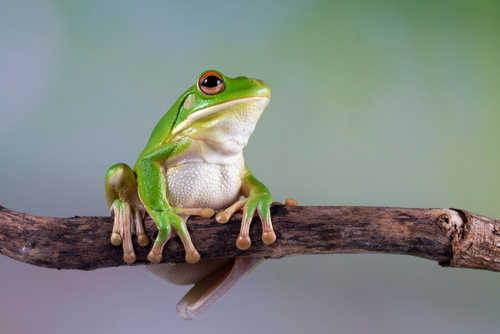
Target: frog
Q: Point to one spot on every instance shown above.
(193, 165)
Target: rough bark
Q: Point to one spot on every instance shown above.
(452, 237)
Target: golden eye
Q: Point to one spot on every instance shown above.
(211, 83)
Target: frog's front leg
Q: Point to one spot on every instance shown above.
(257, 200)
(126, 207)
(177, 219)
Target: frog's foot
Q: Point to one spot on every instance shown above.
(126, 207)
(164, 233)
(257, 203)
(212, 288)
(128, 222)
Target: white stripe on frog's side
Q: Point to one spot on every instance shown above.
(213, 110)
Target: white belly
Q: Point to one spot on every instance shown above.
(203, 185)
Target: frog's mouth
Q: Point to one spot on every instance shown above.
(229, 121)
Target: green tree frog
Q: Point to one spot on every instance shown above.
(191, 165)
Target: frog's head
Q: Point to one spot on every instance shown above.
(220, 110)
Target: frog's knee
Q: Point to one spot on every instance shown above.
(121, 175)
(118, 169)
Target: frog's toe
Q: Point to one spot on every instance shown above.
(115, 212)
(129, 258)
(243, 242)
(116, 239)
(122, 234)
(143, 240)
(224, 216)
(192, 256)
(269, 237)
(205, 213)
(155, 254)
(137, 227)
(154, 257)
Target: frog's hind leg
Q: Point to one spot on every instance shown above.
(212, 288)
(126, 207)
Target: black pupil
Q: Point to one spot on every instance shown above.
(211, 81)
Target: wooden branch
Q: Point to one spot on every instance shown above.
(454, 238)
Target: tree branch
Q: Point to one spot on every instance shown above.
(453, 237)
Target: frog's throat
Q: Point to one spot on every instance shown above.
(212, 110)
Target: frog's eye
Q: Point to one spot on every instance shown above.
(211, 83)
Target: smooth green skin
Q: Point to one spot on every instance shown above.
(148, 174)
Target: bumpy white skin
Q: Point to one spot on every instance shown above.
(209, 175)
(202, 185)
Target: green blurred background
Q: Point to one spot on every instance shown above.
(377, 103)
